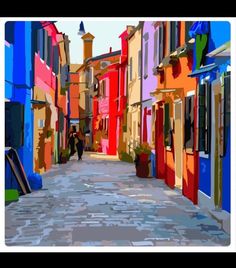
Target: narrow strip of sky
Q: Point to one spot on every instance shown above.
(106, 35)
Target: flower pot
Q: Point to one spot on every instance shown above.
(144, 157)
(142, 165)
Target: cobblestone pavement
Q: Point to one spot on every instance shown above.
(99, 202)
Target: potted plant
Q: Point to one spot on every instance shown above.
(64, 156)
(142, 161)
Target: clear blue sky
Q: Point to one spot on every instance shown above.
(106, 35)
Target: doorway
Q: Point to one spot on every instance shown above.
(178, 141)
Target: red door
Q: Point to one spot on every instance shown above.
(159, 143)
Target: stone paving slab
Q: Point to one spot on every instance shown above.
(100, 202)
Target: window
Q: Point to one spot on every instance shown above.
(188, 25)
(174, 35)
(9, 31)
(156, 56)
(14, 124)
(146, 60)
(161, 43)
(41, 123)
(55, 59)
(189, 122)
(49, 46)
(204, 117)
(103, 88)
(225, 115)
(107, 121)
(40, 43)
(139, 63)
(131, 69)
(45, 44)
(167, 126)
(87, 108)
(153, 125)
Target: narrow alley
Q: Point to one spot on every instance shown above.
(100, 202)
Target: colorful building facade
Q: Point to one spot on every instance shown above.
(177, 158)
(134, 90)
(212, 68)
(150, 60)
(19, 51)
(46, 62)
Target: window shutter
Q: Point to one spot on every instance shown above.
(131, 69)
(55, 59)
(104, 88)
(201, 117)
(139, 63)
(172, 35)
(45, 44)
(208, 118)
(188, 25)
(177, 34)
(49, 46)
(38, 41)
(146, 60)
(192, 121)
(155, 52)
(161, 43)
(189, 122)
(166, 124)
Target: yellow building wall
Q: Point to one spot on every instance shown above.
(133, 93)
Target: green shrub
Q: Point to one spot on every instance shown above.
(49, 133)
(144, 148)
(65, 153)
(126, 157)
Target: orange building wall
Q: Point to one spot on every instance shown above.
(74, 96)
(177, 78)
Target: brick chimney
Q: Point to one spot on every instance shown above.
(88, 45)
(130, 28)
(110, 50)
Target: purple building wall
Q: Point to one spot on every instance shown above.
(149, 81)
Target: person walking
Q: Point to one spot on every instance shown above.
(79, 143)
(71, 141)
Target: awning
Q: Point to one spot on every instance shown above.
(204, 69)
(222, 51)
(199, 27)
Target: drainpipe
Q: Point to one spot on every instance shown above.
(141, 84)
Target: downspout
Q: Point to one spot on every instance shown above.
(141, 85)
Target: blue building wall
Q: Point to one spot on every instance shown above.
(9, 70)
(153, 164)
(18, 67)
(205, 175)
(216, 39)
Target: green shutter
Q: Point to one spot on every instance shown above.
(208, 119)
(189, 122)
(166, 124)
